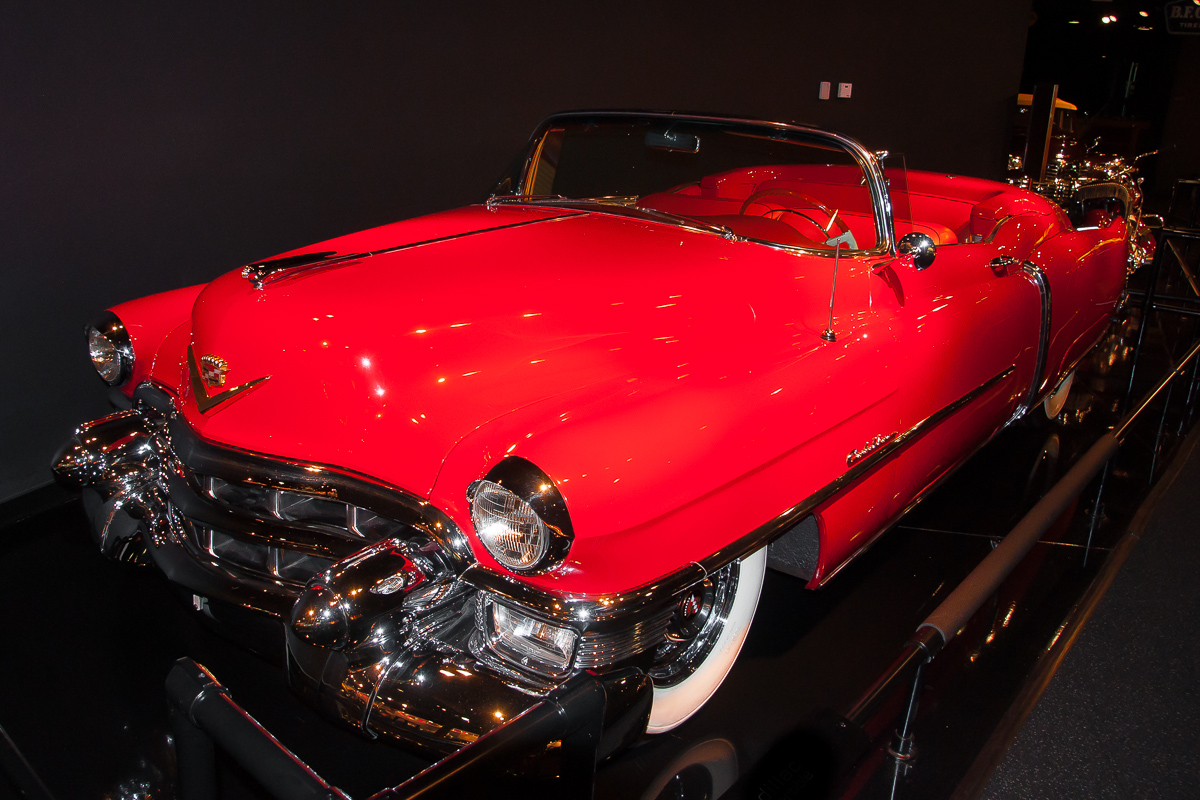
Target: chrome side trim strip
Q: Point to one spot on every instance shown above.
(765, 533)
(593, 611)
(928, 490)
(1037, 276)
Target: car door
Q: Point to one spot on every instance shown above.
(969, 330)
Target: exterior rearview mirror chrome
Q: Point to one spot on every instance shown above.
(917, 248)
(1004, 265)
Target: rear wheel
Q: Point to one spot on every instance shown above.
(704, 639)
(1057, 400)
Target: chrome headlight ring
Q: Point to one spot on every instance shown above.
(520, 517)
(110, 349)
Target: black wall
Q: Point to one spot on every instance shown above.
(146, 146)
(1179, 153)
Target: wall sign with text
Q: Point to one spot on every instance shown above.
(1183, 16)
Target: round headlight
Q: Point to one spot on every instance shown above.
(520, 516)
(508, 527)
(110, 349)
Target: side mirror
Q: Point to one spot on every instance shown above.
(917, 248)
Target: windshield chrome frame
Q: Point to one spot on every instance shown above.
(866, 160)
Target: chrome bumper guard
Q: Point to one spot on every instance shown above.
(382, 615)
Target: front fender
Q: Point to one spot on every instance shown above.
(149, 320)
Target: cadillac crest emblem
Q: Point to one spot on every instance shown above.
(212, 371)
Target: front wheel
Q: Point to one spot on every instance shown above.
(703, 641)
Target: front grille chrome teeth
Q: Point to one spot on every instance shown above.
(313, 510)
(264, 559)
(317, 512)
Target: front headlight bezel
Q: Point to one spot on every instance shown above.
(111, 330)
(535, 488)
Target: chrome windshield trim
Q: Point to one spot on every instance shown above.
(595, 610)
(867, 160)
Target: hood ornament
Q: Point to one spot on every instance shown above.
(260, 272)
(211, 374)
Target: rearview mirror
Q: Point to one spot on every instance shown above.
(673, 141)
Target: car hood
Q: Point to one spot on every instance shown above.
(382, 363)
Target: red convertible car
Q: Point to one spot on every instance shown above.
(462, 458)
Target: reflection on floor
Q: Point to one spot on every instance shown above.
(1121, 717)
(87, 645)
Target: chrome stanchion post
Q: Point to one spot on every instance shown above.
(1162, 420)
(1147, 306)
(1097, 507)
(903, 749)
(1189, 404)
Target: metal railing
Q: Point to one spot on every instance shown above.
(952, 615)
(17, 769)
(205, 717)
(1152, 300)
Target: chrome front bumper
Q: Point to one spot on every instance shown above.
(399, 652)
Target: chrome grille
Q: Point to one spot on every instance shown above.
(263, 559)
(272, 553)
(312, 510)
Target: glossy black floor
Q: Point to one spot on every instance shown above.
(87, 645)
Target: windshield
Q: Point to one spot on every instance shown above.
(763, 183)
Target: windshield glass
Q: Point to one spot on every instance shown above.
(762, 183)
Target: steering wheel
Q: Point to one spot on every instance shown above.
(832, 223)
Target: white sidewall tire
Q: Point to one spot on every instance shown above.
(1057, 400)
(673, 705)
